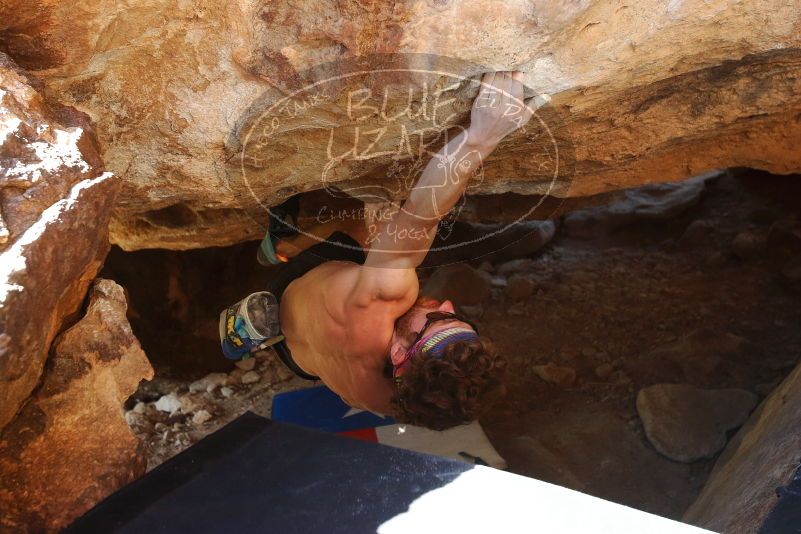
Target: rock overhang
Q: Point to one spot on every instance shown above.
(645, 93)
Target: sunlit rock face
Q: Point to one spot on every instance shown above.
(641, 92)
(56, 202)
(70, 445)
(64, 443)
(741, 491)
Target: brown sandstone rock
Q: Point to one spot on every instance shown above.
(762, 456)
(55, 205)
(644, 92)
(70, 445)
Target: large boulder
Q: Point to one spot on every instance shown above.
(642, 92)
(686, 423)
(55, 205)
(762, 456)
(70, 445)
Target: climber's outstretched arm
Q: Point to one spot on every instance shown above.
(402, 242)
(498, 110)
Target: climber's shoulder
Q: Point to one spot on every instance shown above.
(372, 285)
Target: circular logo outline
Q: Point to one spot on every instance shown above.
(554, 180)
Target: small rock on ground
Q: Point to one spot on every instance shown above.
(604, 371)
(168, 403)
(748, 245)
(697, 233)
(686, 423)
(247, 364)
(133, 418)
(250, 377)
(561, 376)
(208, 383)
(519, 287)
(498, 281)
(200, 417)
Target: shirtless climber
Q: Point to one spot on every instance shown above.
(358, 323)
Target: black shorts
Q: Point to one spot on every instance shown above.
(339, 246)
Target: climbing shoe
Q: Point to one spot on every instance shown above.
(249, 325)
(283, 223)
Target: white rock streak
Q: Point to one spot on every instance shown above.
(63, 152)
(13, 260)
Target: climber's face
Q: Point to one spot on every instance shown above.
(422, 321)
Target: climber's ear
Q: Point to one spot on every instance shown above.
(446, 306)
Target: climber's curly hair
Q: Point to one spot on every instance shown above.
(455, 389)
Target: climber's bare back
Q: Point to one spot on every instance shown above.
(343, 342)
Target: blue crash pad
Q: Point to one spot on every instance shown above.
(322, 409)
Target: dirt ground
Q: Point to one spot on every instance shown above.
(613, 300)
(600, 306)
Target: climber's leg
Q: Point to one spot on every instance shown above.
(291, 246)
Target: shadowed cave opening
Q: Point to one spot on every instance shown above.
(701, 290)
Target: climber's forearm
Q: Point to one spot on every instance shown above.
(403, 242)
(400, 244)
(445, 179)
